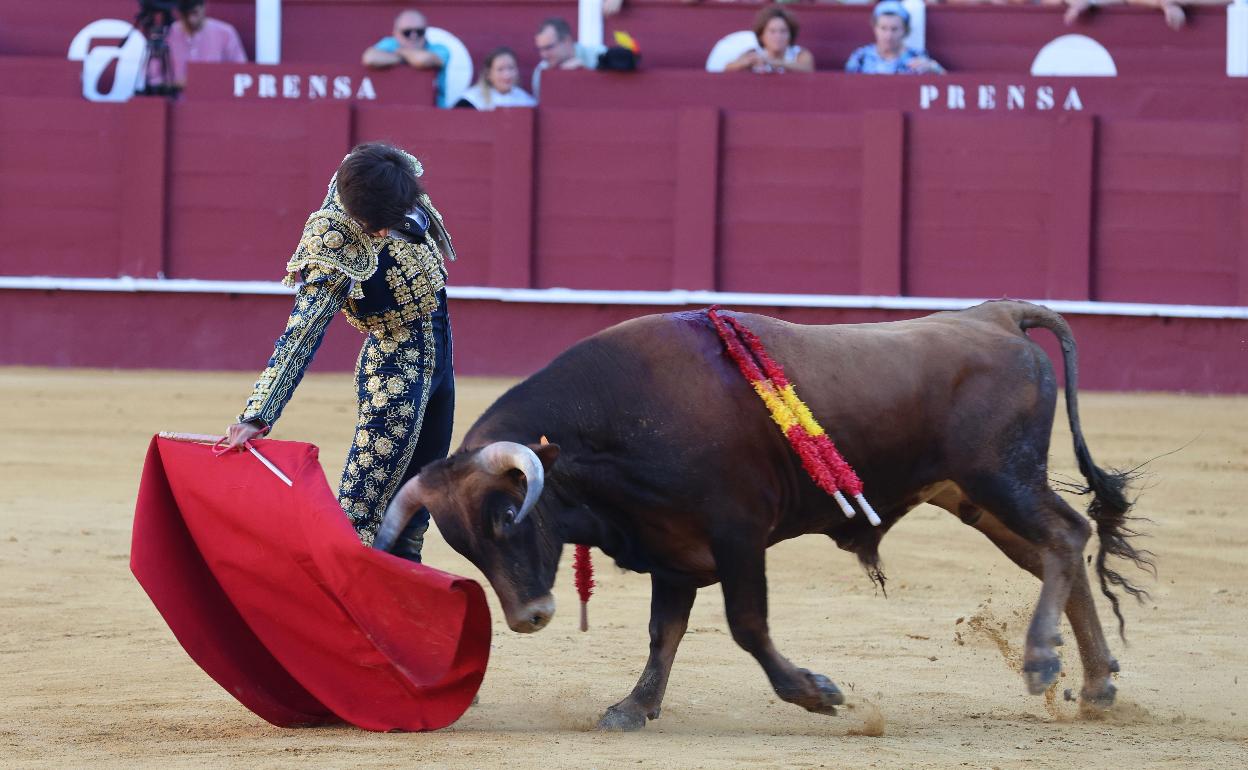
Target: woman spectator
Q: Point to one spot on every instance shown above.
(890, 55)
(497, 85)
(777, 50)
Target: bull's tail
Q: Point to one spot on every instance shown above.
(1110, 507)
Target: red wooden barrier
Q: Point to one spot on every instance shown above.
(1107, 202)
(73, 173)
(1140, 194)
(211, 331)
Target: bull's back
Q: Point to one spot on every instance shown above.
(854, 374)
(661, 391)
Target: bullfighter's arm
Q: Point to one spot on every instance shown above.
(321, 295)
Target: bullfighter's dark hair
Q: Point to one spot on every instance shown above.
(378, 186)
(775, 12)
(563, 30)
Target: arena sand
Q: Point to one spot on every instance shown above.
(91, 676)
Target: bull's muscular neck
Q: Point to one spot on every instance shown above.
(573, 409)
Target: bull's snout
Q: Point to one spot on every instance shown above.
(532, 616)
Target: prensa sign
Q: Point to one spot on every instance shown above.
(951, 97)
(267, 86)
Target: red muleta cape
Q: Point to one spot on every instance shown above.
(268, 589)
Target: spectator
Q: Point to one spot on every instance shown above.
(407, 45)
(1171, 9)
(890, 55)
(197, 38)
(496, 86)
(776, 31)
(560, 51)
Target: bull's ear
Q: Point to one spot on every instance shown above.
(546, 452)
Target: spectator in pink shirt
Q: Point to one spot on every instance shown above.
(195, 37)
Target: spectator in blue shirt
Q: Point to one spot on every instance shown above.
(408, 46)
(890, 55)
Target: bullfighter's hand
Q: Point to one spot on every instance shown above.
(240, 433)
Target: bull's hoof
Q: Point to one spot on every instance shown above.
(1039, 674)
(825, 698)
(617, 720)
(1100, 699)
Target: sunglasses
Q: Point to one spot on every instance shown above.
(414, 32)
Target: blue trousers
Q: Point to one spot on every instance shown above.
(406, 383)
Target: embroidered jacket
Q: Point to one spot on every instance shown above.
(382, 285)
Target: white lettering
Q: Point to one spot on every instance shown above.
(956, 97)
(268, 87)
(366, 90)
(342, 87)
(1015, 96)
(316, 86)
(987, 97)
(290, 86)
(927, 95)
(1044, 98)
(1072, 101)
(242, 81)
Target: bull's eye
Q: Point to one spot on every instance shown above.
(509, 516)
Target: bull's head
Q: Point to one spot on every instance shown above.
(483, 501)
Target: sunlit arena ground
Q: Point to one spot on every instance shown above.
(91, 676)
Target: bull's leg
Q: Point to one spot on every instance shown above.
(1048, 538)
(669, 617)
(741, 562)
(1098, 662)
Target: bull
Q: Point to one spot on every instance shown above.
(661, 455)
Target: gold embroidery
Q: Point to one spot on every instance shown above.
(386, 451)
(333, 239)
(314, 307)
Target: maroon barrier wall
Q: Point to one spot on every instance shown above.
(214, 331)
(887, 198)
(672, 33)
(825, 184)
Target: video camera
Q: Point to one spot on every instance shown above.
(155, 17)
(153, 21)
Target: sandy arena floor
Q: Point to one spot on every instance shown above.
(91, 677)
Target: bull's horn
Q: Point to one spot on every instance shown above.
(398, 514)
(502, 456)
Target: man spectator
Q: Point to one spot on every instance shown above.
(408, 45)
(559, 50)
(196, 37)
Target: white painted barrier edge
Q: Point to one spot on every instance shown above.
(675, 297)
